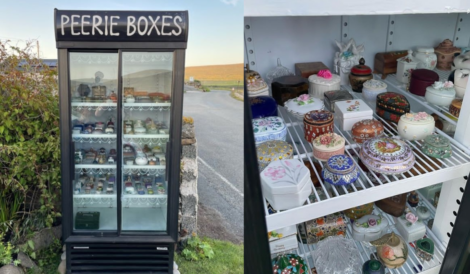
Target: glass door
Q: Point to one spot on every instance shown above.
(146, 90)
(93, 90)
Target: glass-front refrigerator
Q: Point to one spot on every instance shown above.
(121, 77)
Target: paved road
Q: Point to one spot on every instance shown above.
(218, 120)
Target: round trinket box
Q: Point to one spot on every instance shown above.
(303, 104)
(340, 170)
(369, 228)
(270, 151)
(392, 250)
(373, 267)
(445, 52)
(455, 107)
(440, 93)
(263, 106)
(460, 81)
(359, 211)
(423, 212)
(269, 128)
(367, 129)
(289, 263)
(387, 156)
(371, 89)
(437, 146)
(255, 84)
(426, 58)
(421, 79)
(359, 74)
(322, 82)
(316, 123)
(327, 145)
(415, 126)
(391, 106)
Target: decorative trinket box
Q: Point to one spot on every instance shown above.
(263, 106)
(313, 176)
(366, 129)
(286, 184)
(423, 212)
(289, 263)
(460, 82)
(425, 249)
(269, 128)
(373, 267)
(394, 205)
(350, 112)
(359, 211)
(282, 240)
(413, 199)
(436, 146)
(369, 228)
(327, 145)
(440, 93)
(281, 233)
(461, 61)
(445, 53)
(387, 156)
(288, 87)
(319, 229)
(305, 70)
(404, 66)
(455, 107)
(333, 96)
(270, 151)
(386, 62)
(391, 250)
(322, 82)
(359, 74)
(316, 123)
(372, 88)
(301, 105)
(426, 58)
(410, 227)
(415, 126)
(348, 56)
(421, 79)
(255, 84)
(340, 170)
(391, 106)
(337, 255)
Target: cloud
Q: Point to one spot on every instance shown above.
(230, 2)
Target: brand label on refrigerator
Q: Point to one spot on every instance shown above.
(162, 248)
(130, 26)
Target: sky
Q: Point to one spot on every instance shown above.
(215, 26)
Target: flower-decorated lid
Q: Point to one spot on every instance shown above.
(285, 176)
(425, 50)
(410, 222)
(457, 103)
(254, 81)
(437, 141)
(268, 125)
(324, 77)
(408, 59)
(386, 150)
(318, 117)
(442, 89)
(447, 47)
(274, 150)
(263, 106)
(393, 99)
(374, 85)
(289, 263)
(370, 223)
(340, 164)
(303, 104)
(425, 75)
(361, 69)
(353, 108)
(417, 118)
(328, 142)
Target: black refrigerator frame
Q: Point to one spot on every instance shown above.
(121, 241)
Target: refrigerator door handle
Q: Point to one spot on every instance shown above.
(72, 162)
(166, 161)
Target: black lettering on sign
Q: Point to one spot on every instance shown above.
(132, 26)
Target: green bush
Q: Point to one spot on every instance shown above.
(196, 249)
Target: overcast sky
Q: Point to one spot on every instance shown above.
(215, 26)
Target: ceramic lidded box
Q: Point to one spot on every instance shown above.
(455, 107)
(359, 74)
(322, 82)
(370, 90)
(387, 156)
(263, 106)
(316, 123)
(282, 240)
(357, 212)
(426, 58)
(421, 79)
(425, 249)
(460, 82)
(445, 53)
(288, 87)
(301, 105)
(255, 85)
(319, 229)
(391, 106)
(373, 267)
(440, 93)
(340, 170)
(333, 96)
(404, 65)
(369, 228)
(415, 126)
(436, 146)
(286, 184)
(423, 212)
(350, 112)
(289, 263)
(366, 129)
(327, 145)
(392, 250)
(269, 128)
(271, 151)
(410, 227)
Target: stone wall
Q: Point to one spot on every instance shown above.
(187, 215)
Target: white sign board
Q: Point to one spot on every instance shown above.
(191, 79)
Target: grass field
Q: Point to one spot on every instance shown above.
(217, 77)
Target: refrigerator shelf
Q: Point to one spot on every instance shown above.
(94, 166)
(94, 138)
(454, 167)
(106, 106)
(147, 106)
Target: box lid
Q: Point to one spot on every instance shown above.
(285, 177)
(267, 126)
(318, 117)
(442, 89)
(393, 99)
(303, 104)
(328, 142)
(374, 85)
(324, 77)
(420, 118)
(353, 108)
(289, 81)
(425, 75)
(274, 150)
(337, 95)
(370, 224)
(410, 222)
(340, 164)
(386, 150)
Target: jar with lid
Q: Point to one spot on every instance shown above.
(404, 65)
(426, 58)
(359, 74)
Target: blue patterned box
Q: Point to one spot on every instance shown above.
(269, 128)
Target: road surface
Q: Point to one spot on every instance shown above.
(218, 120)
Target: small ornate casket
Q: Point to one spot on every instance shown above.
(391, 106)
(323, 227)
(366, 129)
(333, 96)
(455, 107)
(316, 123)
(394, 205)
(270, 151)
(369, 228)
(386, 62)
(340, 170)
(436, 146)
(269, 128)
(288, 87)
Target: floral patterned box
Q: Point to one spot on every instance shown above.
(269, 128)
(349, 112)
(410, 227)
(318, 229)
